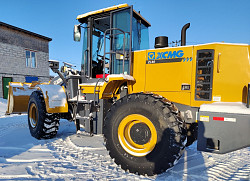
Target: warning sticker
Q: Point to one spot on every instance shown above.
(204, 118)
(230, 119)
(224, 119)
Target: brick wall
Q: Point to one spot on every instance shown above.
(21, 39)
(13, 46)
(13, 61)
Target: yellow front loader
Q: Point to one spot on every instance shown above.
(148, 103)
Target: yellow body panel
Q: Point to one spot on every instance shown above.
(180, 97)
(62, 109)
(169, 76)
(231, 73)
(232, 77)
(165, 76)
(89, 88)
(139, 72)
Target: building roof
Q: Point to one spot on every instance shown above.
(24, 31)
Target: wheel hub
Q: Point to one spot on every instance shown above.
(137, 135)
(140, 133)
(33, 115)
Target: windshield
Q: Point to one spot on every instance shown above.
(94, 66)
(140, 35)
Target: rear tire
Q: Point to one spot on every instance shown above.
(144, 133)
(41, 123)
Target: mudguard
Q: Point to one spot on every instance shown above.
(109, 87)
(55, 98)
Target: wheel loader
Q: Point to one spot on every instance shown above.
(148, 103)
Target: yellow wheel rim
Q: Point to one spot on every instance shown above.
(33, 115)
(125, 137)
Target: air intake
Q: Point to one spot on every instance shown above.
(161, 42)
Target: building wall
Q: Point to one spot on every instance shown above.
(13, 46)
(13, 61)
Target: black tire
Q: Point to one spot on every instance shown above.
(41, 123)
(170, 131)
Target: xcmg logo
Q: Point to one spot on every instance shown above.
(165, 55)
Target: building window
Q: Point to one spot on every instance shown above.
(31, 59)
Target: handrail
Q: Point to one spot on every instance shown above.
(218, 63)
(248, 94)
(85, 60)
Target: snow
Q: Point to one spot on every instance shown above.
(3, 106)
(124, 76)
(92, 84)
(226, 107)
(71, 156)
(57, 61)
(20, 89)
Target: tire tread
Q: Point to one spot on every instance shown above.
(49, 122)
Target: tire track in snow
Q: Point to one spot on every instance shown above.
(231, 166)
(195, 165)
(81, 163)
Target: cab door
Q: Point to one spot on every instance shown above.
(121, 41)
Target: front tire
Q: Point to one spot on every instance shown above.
(41, 123)
(144, 133)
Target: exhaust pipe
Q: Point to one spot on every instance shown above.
(183, 34)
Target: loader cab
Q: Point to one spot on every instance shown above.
(109, 36)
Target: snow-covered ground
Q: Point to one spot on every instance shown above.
(80, 157)
(3, 105)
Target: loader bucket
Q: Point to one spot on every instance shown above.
(18, 97)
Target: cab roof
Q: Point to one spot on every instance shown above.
(83, 17)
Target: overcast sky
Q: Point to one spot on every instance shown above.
(211, 20)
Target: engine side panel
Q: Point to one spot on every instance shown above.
(172, 72)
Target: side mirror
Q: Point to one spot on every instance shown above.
(77, 33)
